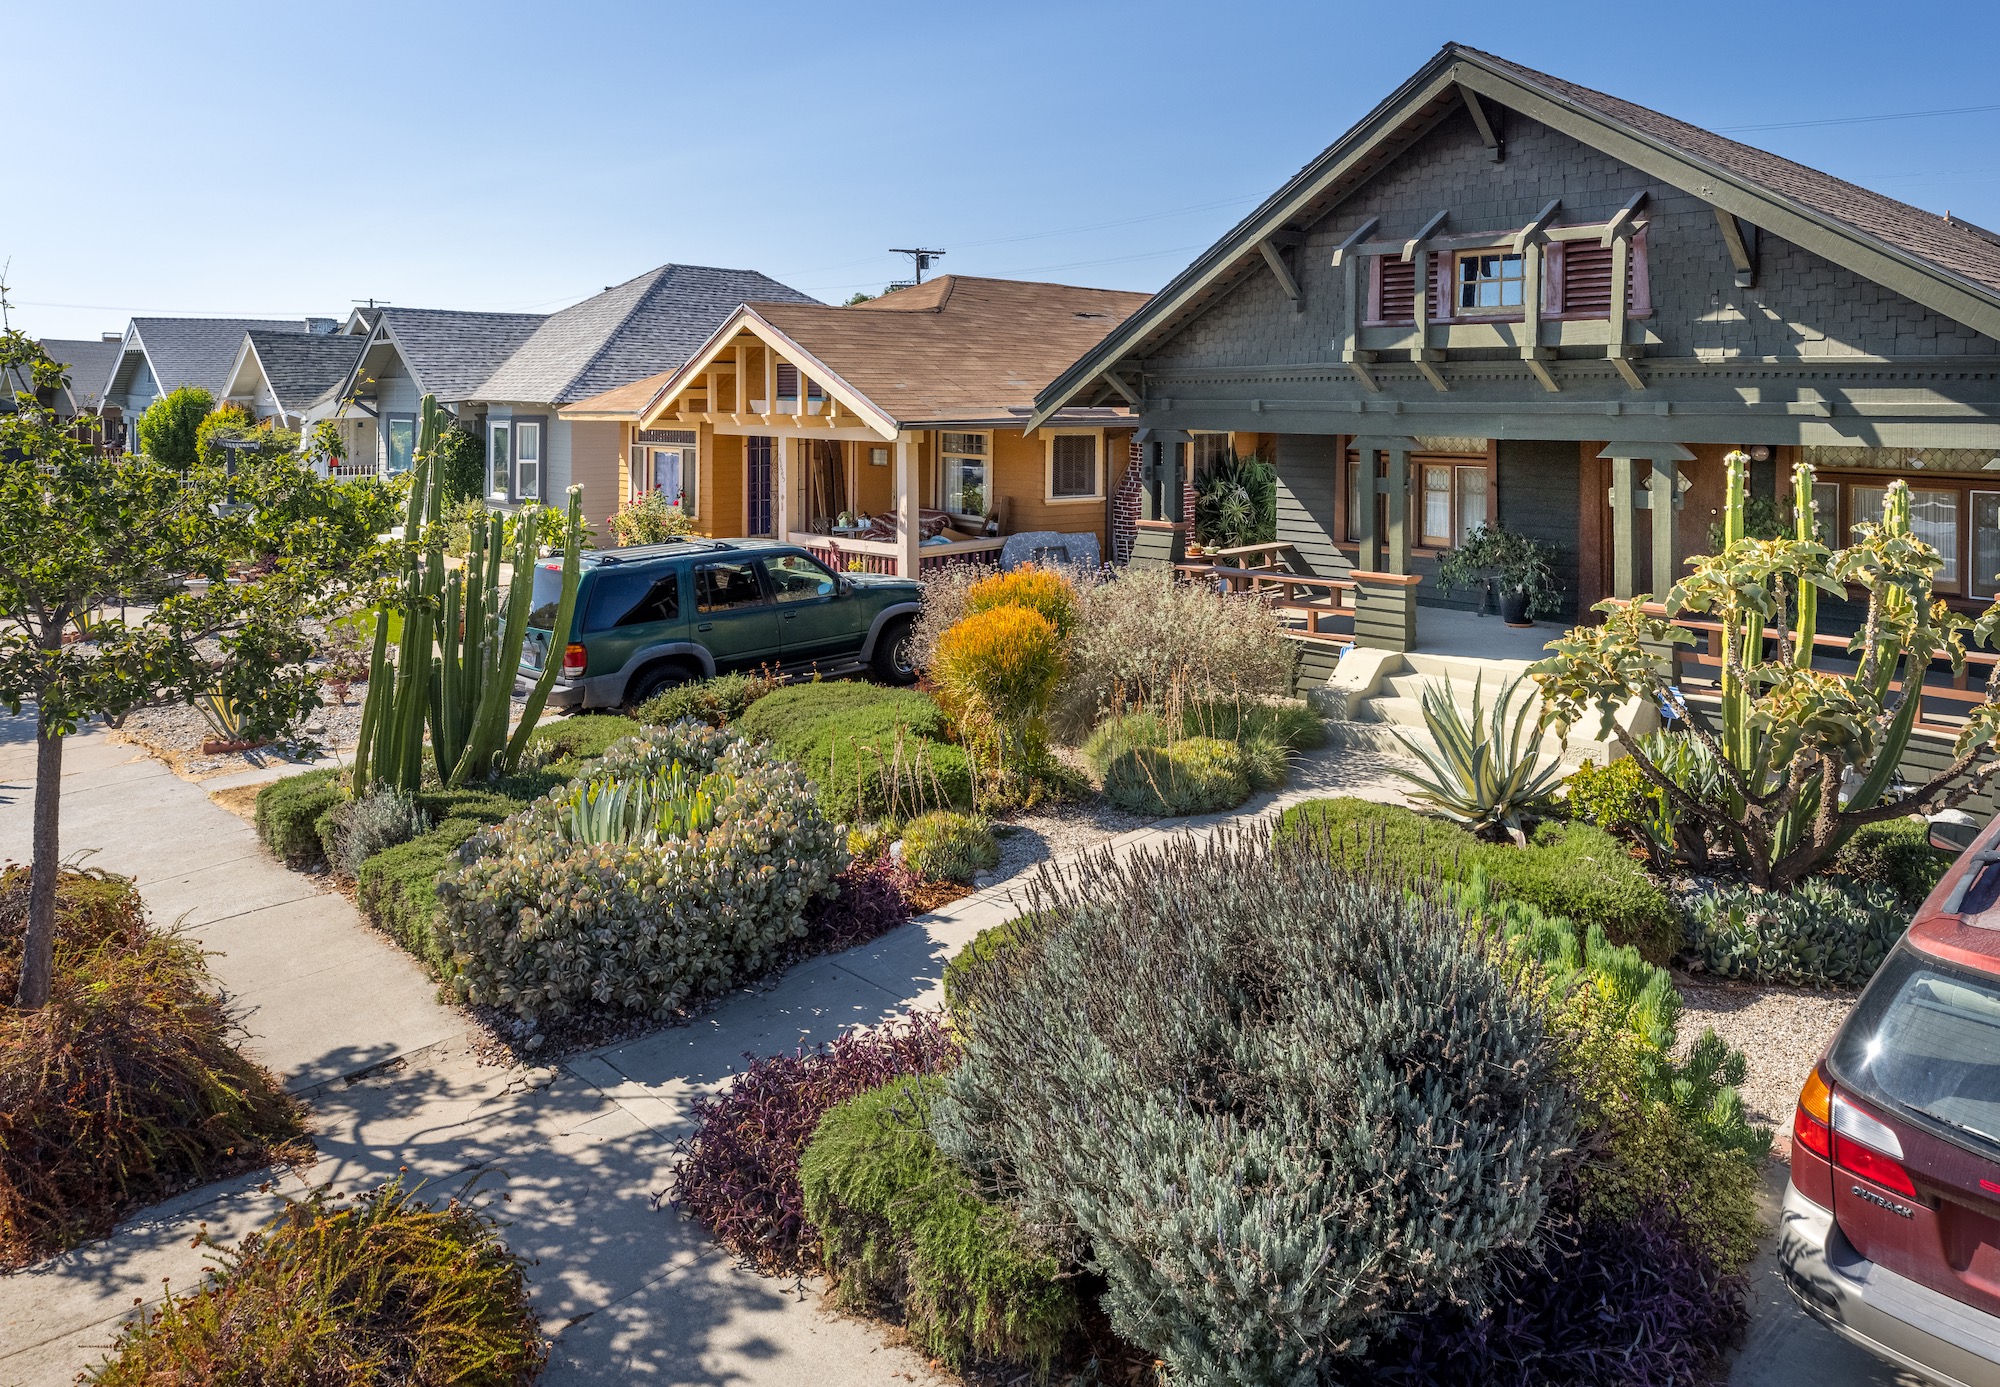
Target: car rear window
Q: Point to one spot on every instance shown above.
(1926, 1039)
(547, 596)
(633, 598)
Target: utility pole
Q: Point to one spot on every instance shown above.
(922, 260)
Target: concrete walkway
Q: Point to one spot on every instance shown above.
(572, 1156)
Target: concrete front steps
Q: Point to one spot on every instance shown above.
(1375, 694)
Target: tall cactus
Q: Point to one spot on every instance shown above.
(460, 649)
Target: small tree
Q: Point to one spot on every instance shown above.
(1805, 752)
(230, 568)
(170, 429)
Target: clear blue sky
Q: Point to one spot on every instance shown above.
(289, 158)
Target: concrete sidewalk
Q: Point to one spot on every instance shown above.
(572, 1157)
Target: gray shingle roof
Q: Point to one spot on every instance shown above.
(450, 352)
(636, 329)
(1947, 244)
(200, 351)
(301, 367)
(89, 362)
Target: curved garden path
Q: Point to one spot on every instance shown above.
(572, 1155)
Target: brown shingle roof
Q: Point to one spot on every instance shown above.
(1924, 234)
(956, 348)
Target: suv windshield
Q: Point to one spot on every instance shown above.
(547, 595)
(1926, 1039)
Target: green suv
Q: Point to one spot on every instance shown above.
(657, 615)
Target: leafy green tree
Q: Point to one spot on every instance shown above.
(225, 422)
(227, 569)
(170, 429)
(463, 457)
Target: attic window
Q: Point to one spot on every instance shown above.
(1489, 281)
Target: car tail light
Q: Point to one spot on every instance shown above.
(574, 661)
(1864, 1146)
(1810, 1127)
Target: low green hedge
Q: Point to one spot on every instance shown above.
(902, 1227)
(398, 889)
(869, 751)
(581, 737)
(288, 815)
(1573, 870)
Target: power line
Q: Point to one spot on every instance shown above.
(1857, 120)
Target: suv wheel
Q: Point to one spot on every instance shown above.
(654, 680)
(895, 659)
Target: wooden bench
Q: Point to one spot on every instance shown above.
(1310, 599)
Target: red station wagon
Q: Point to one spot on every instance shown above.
(1891, 1225)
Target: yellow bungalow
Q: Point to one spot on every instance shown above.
(889, 436)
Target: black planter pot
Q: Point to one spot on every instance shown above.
(1514, 607)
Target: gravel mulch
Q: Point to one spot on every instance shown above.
(1780, 1030)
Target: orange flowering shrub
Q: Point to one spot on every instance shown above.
(998, 671)
(1043, 590)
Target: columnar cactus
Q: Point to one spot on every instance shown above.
(461, 642)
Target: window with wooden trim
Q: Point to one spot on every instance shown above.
(1454, 504)
(499, 460)
(1934, 517)
(1488, 281)
(399, 435)
(965, 468)
(666, 461)
(1073, 467)
(527, 462)
(1205, 450)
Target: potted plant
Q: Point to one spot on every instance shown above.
(1519, 566)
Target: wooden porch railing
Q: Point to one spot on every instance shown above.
(1309, 600)
(880, 556)
(1944, 692)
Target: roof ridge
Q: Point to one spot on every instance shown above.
(661, 275)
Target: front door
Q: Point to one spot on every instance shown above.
(757, 485)
(816, 620)
(733, 615)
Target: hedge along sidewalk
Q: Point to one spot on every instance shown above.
(320, 993)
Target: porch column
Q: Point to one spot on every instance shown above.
(1161, 537)
(1385, 594)
(1659, 495)
(907, 496)
(781, 487)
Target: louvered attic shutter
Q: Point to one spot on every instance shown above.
(1397, 300)
(788, 381)
(1586, 280)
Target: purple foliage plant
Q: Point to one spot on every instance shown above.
(872, 898)
(738, 1174)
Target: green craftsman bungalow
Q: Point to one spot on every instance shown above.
(1610, 298)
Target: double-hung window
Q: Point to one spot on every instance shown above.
(1454, 503)
(966, 473)
(1073, 467)
(499, 460)
(527, 462)
(664, 461)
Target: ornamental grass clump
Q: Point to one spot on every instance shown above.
(1220, 1074)
(738, 1174)
(125, 1087)
(385, 1289)
(947, 846)
(545, 918)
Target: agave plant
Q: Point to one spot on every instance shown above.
(670, 803)
(1484, 773)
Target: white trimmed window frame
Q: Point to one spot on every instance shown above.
(946, 489)
(1096, 494)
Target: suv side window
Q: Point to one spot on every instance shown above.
(796, 578)
(633, 598)
(723, 587)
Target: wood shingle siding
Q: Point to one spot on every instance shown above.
(1308, 481)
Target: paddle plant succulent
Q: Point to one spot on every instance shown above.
(1807, 750)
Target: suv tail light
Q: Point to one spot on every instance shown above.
(574, 661)
(1812, 1141)
(1866, 1147)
